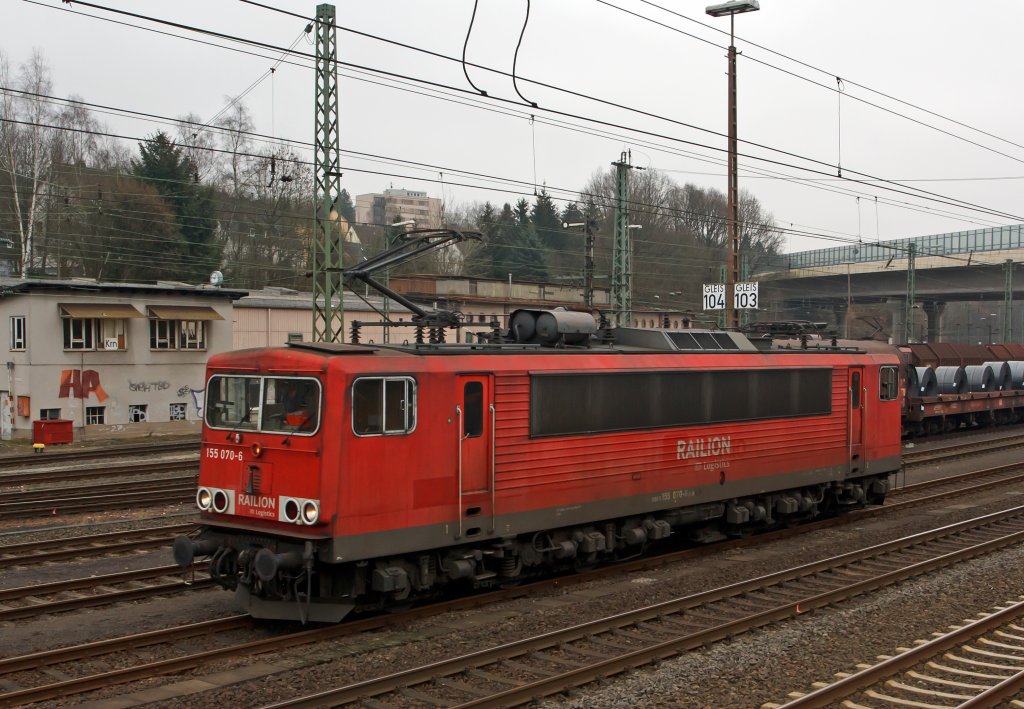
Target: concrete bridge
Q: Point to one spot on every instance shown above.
(969, 287)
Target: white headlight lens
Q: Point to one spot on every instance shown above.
(203, 498)
(310, 512)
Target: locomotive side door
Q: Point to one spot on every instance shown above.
(475, 416)
(857, 405)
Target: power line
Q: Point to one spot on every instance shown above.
(883, 183)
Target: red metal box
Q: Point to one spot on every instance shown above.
(52, 431)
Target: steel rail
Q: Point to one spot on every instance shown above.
(71, 687)
(957, 450)
(169, 493)
(180, 664)
(38, 477)
(34, 609)
(75, 491)
(989, 697)
(32, 459)
(47, 658)
(36, 552)
(584, 672)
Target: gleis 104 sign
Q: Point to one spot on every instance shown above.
(744, 296)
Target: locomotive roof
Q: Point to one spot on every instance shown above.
(622, 341)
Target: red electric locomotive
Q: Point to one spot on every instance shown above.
(336, 477)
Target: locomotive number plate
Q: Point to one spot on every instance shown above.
(223, 454)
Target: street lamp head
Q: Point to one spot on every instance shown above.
(407, 222)
(732, 8)
(635, 226)
(568, 225)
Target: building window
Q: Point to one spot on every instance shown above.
(177, 334)
(113, 333)
(17, 333)
(191, 335)
(137, 413)
(178, 412)
(383, 405)
(49, 414)
(294, 337)
(162, 335)
(94, 415)
(80, 333)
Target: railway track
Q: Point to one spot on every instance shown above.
(523, 671)
(75, 594)
(959, 450)
(96, 498)
(138, 449)
(92, 545)
(797, 598)
(23, 479)
(974, 665)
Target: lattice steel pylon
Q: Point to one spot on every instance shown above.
(622, 251)
(328, 238)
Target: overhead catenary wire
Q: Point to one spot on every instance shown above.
(749, 173)
(828, 73)
(447, 97)
(883, 183)
(635, 206)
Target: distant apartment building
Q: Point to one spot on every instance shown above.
(398, 205)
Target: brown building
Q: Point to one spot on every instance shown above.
(398, 205)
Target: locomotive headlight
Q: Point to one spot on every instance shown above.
(310, 511)
(220, 501)
(203, 498)
(290, 510)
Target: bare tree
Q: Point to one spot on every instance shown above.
(236, 124)
(25, 150)
(197, 140)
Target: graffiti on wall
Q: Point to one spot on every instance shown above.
(197, 398)
(148, 386)
(80, 384)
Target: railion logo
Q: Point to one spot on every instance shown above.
(710, 447)
(258, 505)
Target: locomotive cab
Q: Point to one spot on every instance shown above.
(261, 466)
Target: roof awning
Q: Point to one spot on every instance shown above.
(107, 311)
(184, 312)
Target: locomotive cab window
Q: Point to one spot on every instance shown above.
(855, 390)
(383, 406)
(233, 402)
(290, 404)
(275, 404)
(888, 383)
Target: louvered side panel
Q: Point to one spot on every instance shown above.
(752, 448)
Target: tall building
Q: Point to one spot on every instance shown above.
(398, 205)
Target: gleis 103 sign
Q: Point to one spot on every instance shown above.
(744, 296)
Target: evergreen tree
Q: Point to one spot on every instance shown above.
(502, 243)
(175, 176)
(572, 214)
(345, 206)
(554, 241)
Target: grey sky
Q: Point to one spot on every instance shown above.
(952, 58)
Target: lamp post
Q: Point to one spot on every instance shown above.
(732, 272)
(388, 240)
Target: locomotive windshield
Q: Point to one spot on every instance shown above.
(275, 404)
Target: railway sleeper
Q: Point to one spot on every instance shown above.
(289, 579)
